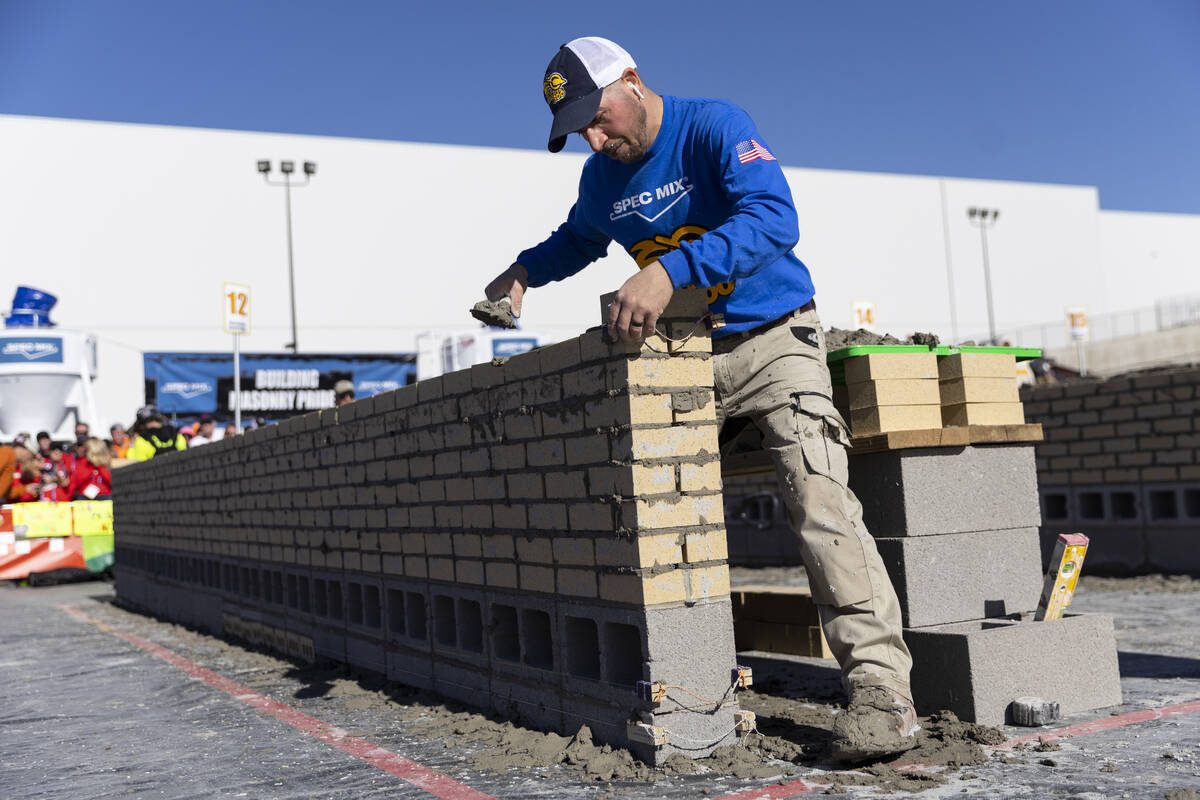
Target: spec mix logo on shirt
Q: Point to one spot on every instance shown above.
(20, 351)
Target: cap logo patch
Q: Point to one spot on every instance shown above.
(552, 87)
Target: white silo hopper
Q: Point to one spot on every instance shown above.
(45, 373)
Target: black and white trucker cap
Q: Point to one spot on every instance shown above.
(576, 78)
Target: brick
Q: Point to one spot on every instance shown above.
(890, 366)
(548, 516)
(882, 419)
(666, 587)
(413, 542)
(459, 490)
(708, 583)
(577, 582)
(706, 546)
(558, 420)
(1154, 411)
(523, 426)
(628, 409)
(587, 450)
(586, 382)
(477, 460)
(546, 453)
(537, 550)
(501, 575)
(1088, 447)
(525, 486)
(575, 551)
(894, 392)
(441, 569)
(565, 484)
(976, 365)
(677, 371)
(639, 551)
(438, 544)
(1102, 431)
(594, 516)
(509, 516)
(671, 513)
(1174, 457)
(1135, 459)
(1173, 425)
(498, 546)
(507, 457)
(636, 479)
(536, 579)
(1086, 476)
(468, 545)
(700, 477)
(674, 442)
(559, 357)
(489, 487)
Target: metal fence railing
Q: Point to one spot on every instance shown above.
(1163, 315)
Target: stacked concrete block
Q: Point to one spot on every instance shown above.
(533, 536)
(1121, 462)
(890, 392)
(957, 529)
(979, 389)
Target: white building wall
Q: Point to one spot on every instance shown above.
(135, 227)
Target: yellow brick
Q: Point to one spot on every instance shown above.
(983, 414)
(697, 336)
(469, 545)
(577, 582)
(574, 550)
(700, 477)
(708, 583)
(876, 366)
(881, 419)
(652, 480)
(642, 551)
(676, 371)
(649, 409)
(977, 365)
(896, 392)
(414, 566)
(469, 572)
(501, 575)
(707, 546)
(674, 442)
(666, 587)
(441, 569)
(687, 510)
(980, 390)
(537, 579)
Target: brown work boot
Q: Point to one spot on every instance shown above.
(877, 723)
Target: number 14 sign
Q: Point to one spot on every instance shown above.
(236, 302)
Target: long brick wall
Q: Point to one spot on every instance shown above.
(534, 536)
(1121, 463)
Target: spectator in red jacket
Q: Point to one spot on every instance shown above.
(91, 479)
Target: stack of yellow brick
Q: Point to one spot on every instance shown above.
(890, 392)
(979, 389)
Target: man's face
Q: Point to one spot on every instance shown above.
(206, 428)
(81, 429)
(619, 128)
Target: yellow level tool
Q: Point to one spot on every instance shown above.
(1062, 575)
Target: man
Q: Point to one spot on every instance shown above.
(156, 437)
(689, 188)
(120, 441)
(43, 442)
(343, 392)
(82, 431)
(204, 431)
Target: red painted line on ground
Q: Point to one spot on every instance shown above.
(1105, 724)
(776, 792)
(411, 772)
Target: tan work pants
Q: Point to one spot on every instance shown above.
(779, 379)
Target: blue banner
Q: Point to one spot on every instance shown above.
(42, 349)
(274, 386)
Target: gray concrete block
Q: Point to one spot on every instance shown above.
(931, 491)
(976, 669)
(1171, 549)
(525, 703)
(366, 653)
(964, 576)
(410, 667)
(329, 643)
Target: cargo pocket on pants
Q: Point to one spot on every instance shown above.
(840, 561)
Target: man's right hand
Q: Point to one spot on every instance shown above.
(512, 284)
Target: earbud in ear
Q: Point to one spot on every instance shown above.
(636, 90)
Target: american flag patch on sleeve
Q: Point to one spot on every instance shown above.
(751, 150)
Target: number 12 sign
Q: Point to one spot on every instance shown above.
(236, 302)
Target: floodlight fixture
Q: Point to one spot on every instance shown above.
(310, 168)
(264, 167)
(287, 167)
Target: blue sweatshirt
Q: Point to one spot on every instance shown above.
(708, 201)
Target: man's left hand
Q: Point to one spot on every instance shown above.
(633, 314)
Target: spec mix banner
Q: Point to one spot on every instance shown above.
(273, 386)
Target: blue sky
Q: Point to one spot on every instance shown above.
(1088, 92)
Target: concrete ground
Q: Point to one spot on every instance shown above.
(101, 702)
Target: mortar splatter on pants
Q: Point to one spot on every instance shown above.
(778, 379)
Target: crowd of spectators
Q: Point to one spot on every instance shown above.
(42, 469)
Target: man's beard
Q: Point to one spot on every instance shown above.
(635, 149)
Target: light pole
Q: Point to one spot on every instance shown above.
(984, 218)
(287, 168)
